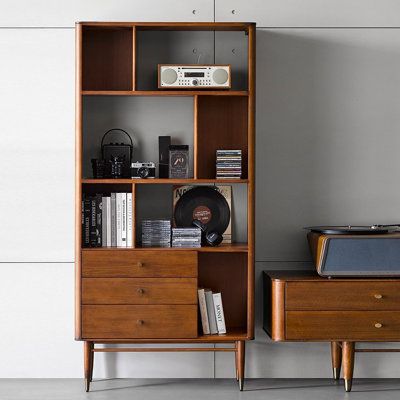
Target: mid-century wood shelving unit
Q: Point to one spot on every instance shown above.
(115, 287)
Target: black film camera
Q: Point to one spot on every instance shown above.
(143, 170)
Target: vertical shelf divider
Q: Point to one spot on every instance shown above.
(195, 133)
(133, 58)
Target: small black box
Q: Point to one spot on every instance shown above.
(163, 151)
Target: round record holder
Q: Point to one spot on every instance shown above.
(203, 203)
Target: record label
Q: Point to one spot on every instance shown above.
(202, 213)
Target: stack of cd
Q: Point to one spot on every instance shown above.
(156, 233)
(186, 237)
(229, 164)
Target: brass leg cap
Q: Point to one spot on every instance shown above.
(87, 384)
(241, 384)
(336, 373)
(347, 385)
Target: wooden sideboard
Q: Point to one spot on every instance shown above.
(302, 306)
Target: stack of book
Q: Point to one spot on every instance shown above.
(211, 312)
(156, 233)
(107, 220)
(186, 237)
(229, 164)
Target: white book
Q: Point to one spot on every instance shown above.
(113, 219)
(211, 312)
(118, 206)
(108, 227)
(129, 221)
(219, 312)
(203, 311)
(123, 220)
(103, 222)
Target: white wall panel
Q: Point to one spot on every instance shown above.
(50, 13)
(36, 145)
(311, 13)
(328, 118)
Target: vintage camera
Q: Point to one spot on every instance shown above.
(143, 170)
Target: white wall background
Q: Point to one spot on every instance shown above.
(328, 118)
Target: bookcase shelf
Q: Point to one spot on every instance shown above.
(161, 93)
(169, 181)
(116, 85)
(223, 248)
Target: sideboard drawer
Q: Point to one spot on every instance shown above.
(331, 295)
(139, 322)
(139, 291)
(342, 325)
(138, 263)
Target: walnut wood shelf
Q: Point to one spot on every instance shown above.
(162, 181)
(223, 248)
(161, 93)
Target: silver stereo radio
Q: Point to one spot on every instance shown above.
(194, 76)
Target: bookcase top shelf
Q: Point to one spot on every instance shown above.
(222, 248)
(174, 26)
(183, 92)
(169, 181)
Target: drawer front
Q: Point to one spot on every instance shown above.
(138, 263)
(333, 295)
(139, 291)
(139, 322)
(343, 325)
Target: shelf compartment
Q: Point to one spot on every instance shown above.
(227, 273)
(107, 58)
(220, 123)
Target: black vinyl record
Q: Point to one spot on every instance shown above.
(205, 204)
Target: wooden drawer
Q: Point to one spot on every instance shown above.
(138, 263)
(331, 295)
(139, 322)
(139, 291)
(342, 325)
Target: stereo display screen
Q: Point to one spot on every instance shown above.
(194, 74)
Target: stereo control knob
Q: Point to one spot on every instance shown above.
(169, 76)
(195, 82)
(220, 76)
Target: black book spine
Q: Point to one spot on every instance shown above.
(93, 224)
(86, 222)
(98, 219)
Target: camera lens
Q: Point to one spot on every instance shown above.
(143, 172)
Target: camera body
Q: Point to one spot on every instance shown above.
(143, 170)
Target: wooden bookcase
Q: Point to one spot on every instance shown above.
(116, 67)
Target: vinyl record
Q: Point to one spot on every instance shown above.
(205, 204)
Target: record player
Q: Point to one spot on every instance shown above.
(361, 251)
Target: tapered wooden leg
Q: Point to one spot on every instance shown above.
(236, 363)
(88, 363)
(348, 364)
(240, 354)
(336, 353)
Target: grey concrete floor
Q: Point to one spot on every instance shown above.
(197, 389)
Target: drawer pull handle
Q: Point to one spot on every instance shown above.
(140, 322)
(140, 291)
(378, 296)
(139, 264)
(378, 325)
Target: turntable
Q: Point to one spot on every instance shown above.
(360, 251)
